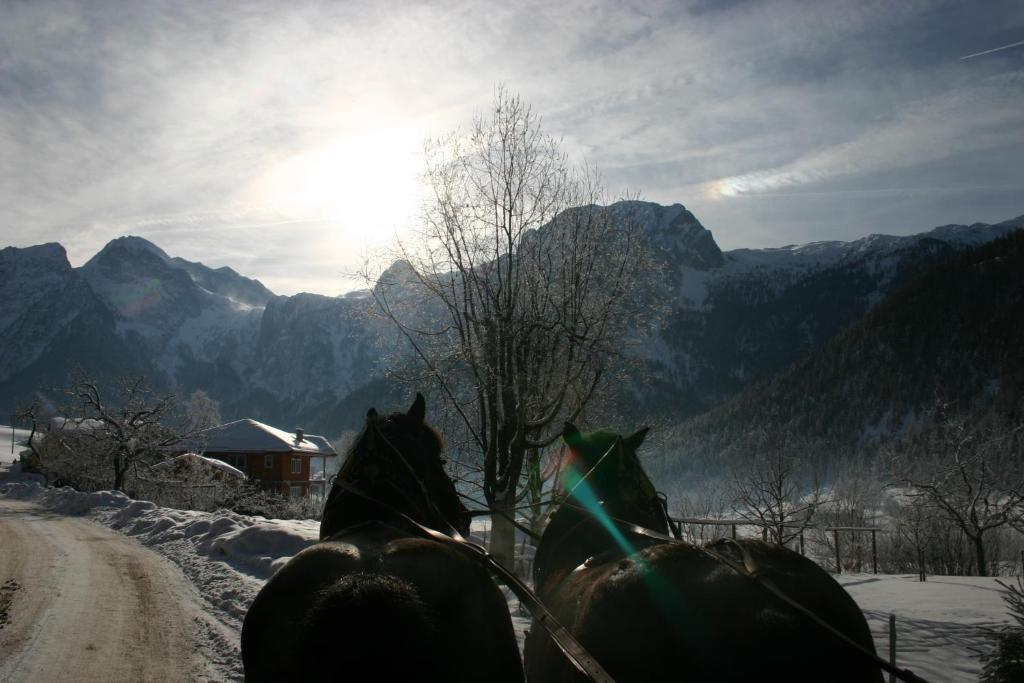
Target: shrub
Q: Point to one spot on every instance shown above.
(1005, 663)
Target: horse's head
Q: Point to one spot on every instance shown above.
(605, 481)
(396, 460)
(605, 467)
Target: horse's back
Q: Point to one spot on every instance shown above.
(377, 605)
(672, 611)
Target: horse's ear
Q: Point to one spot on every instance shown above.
(418, 412)
(570, 433)
(371, 413)
(634, 440)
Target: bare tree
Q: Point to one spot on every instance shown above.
(533, 281)
(778, 491)
(855, 500)
(914, 533)
(30, 417)
(202, 411)
(708, 502)
(117, 431)
(973, 476)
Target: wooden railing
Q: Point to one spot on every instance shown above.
(835, 530)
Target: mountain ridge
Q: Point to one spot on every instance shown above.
(952, 334)
(736, 316)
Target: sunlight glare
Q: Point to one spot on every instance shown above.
(365, 185)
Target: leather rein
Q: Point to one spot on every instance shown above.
(748, 569)
(566, 642)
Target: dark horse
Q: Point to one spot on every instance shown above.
(651, 610)
(375, 600)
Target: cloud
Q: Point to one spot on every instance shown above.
(943, 127)
(300, 121)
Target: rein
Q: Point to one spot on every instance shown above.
(750, 570)
(566, 642)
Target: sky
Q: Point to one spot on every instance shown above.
(285, 139)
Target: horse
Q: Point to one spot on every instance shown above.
(650, 609)
(376, 599)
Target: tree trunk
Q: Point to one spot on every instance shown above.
(979, 554)
(119, 471)
(503, 532)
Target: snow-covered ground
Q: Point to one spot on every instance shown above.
(940, 623)
(9, 437)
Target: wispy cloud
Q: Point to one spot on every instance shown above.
(944, 127)
(298, 124)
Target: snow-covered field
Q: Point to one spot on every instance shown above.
(940, 623)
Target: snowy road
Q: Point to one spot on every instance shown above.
(79, 602)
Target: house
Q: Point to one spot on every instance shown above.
(279, 460)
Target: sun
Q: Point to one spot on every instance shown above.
(364, 183)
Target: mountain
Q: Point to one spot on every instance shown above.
(952, 333)
(52, 321)
(189, 334)
(735, 317)
(37, 288)
(762, 309)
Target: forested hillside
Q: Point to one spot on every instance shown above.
(954, 334)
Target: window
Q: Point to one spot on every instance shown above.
(268, 461)
(295, 491)
(296, 465)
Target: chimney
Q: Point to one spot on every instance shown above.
(299, 434)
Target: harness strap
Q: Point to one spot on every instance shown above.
(749, 569)
(566, 642)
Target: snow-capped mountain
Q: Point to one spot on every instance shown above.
(762, 309)
(735, 317)
(187, 330)
(38, 297)
(952, 334)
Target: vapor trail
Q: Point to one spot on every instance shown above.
(995, 49)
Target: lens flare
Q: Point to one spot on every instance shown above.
(135, 300)
(585, 496)
(668, 599)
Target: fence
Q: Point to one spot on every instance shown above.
(734, 524)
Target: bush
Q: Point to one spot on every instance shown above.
(250, 499)
(1005, 663)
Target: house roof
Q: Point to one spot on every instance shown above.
(250, 436)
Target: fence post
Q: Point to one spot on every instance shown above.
(874, 553)
(764, 534)
(734, 538)
(801, 541)
(835, 539)
(892, 646)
